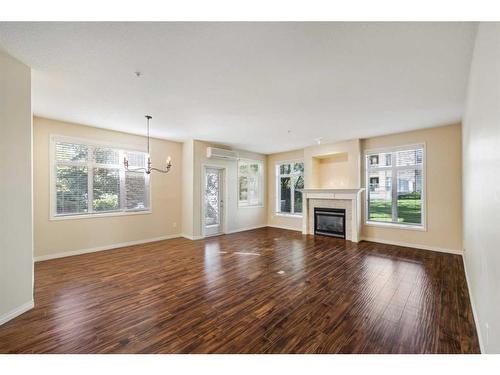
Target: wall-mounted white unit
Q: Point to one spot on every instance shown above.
(220, 153)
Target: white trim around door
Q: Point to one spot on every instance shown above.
(222, 227)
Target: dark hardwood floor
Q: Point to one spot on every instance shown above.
(261, 291)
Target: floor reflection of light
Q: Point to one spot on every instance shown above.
(297, 255)
(384, 280)
(247, 261)
(72, 313)
(243, 253)
(212, 261)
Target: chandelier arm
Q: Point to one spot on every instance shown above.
(161, 170)
(136, 170)
(149, 167)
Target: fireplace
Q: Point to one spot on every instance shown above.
(329, 222)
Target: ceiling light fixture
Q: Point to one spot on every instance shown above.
(149, 168)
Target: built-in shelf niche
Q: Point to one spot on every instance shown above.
(332, 171)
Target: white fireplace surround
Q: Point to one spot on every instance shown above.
(349, 199)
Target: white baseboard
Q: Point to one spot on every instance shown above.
(102, 248)
(473, 305)
(245, 229)
(284, 227)
(16, 312)
(415, 246)
(192, 238)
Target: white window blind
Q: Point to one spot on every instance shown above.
(395, 190)
(90, 179)
(250, 183)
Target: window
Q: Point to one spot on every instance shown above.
(250, 183)
(374, 160)
(400, 199)
(90, 179)
(373, 183)
(289, 185)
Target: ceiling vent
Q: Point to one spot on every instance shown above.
(220, 153)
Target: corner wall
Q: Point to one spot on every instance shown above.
(481, 185)
(238, 218)
(16, 213)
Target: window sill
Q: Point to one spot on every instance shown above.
(250, 206)
(297, 216)
(420, 228)
(104, 214)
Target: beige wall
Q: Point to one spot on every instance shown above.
(481, 179)
(443, 188)
(59, 236)
(237, 218)
(16, 218)
(274, 219)
(187, 188)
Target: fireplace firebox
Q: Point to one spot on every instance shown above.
(329, 222)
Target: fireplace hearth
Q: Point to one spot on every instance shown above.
(329, 222)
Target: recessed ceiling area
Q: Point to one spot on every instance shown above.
(263, 87)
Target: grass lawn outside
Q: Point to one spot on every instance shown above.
(409, 211)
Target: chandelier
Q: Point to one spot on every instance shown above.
(149, 168)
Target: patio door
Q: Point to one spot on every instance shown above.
(213, 201)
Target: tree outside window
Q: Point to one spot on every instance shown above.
(290, 183)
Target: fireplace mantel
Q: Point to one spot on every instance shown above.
(352, 195)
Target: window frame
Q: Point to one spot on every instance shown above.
(394, 168)
(241, 203)
(90, 164)
(277, 178)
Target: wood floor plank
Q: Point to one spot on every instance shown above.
(262, 291)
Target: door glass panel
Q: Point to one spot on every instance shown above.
(212, 207)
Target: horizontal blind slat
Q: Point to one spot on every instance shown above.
(73, 164)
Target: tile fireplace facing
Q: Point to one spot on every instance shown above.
(347, 200)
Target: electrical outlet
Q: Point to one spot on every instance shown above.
(174, 225)
(487, 327)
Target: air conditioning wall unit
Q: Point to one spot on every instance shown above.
(220, 153)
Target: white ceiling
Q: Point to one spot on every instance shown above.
(264, 87)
